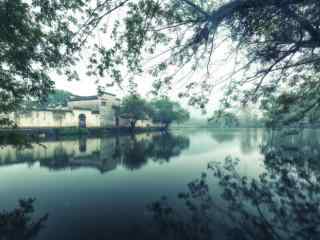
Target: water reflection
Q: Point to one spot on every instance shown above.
(104, 154)
(301, 150)
(223, 135)
(166, 146)
(250, 138)
(17, 224)
(135, 152)
(271, 192)
(282, 203)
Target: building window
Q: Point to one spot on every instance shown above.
(103, 104)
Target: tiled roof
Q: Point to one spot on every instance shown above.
(44, 110)
(86, 98)
(83, 98)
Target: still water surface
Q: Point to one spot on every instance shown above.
(98, 188)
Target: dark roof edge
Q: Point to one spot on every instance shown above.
(95, 97)
(110, 94)
(83, 98)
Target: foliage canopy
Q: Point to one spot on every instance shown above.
(134, 108)
(166, 112)
(274, 44)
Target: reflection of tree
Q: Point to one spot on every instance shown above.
(282, 203)
(135, 153)
(16, 140)
(165, 146)
(18, 225)
(104, 154)
(59, 160)
(300, 150)
(161, 147)
(223, 135)
(248, 140)
(193, 223)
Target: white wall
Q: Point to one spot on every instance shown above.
(54, 119)
(107, 111)
(104, 104)
(101, 115)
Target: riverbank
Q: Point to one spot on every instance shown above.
(53, 133)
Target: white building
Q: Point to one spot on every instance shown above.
(82, 111)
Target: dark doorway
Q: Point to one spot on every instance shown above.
(83, 144)
(117, 121)
(82, 121)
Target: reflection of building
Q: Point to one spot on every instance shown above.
(104, 158)
(84, 112)
(97, 153)
(104, 154)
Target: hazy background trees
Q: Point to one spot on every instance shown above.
(223, 120)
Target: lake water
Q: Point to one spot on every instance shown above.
(98, 188)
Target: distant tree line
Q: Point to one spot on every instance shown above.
(56, 98)
(225, 119)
